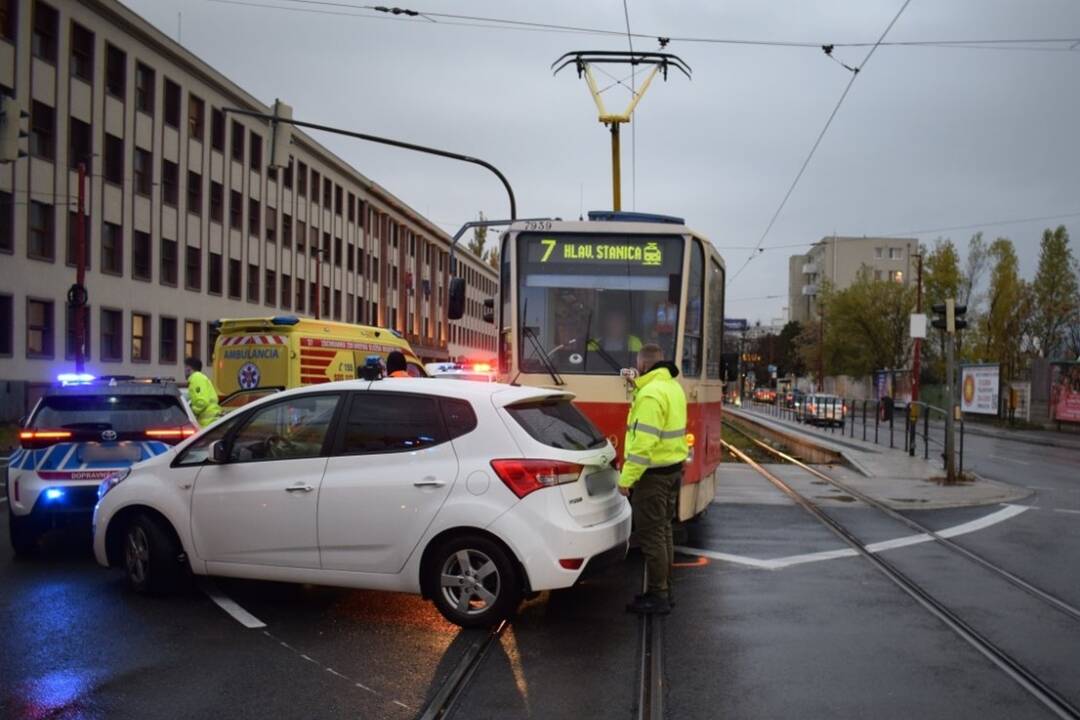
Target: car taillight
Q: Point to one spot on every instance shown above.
(31, 439)
(171, 434)
(526, 476)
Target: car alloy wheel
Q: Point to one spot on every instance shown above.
(470, 582)
(137, 555)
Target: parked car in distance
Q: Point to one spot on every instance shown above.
(471, 494)
(823, 409)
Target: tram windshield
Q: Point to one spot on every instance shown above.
(587, 303)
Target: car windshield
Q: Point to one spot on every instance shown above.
(589, 302)
(121, 413)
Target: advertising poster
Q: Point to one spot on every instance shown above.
(1065, 391)
(979, 386)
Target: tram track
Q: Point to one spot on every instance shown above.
(446, 698)
(650, 692)
(1032, 683)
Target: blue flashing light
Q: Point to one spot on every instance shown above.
(74, 378)
(54, 494)
(284, 320)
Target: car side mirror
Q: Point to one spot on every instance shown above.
(455, 304)
(219, 452)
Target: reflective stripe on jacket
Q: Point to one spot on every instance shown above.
(203, 399)
(633, 344)
(656, 426)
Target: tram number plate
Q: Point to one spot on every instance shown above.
(601, 482)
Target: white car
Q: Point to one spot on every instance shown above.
(471, 494)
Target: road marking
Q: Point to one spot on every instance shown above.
(1063, 510)
(1009, 459)
(398, 702)
(1009, 511)
(230, 606)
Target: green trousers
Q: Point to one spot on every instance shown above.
(655, 501)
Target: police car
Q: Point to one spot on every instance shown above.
(480, 372)
(83, 429)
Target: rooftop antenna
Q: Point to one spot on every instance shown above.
(584, 60)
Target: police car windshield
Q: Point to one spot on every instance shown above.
(121, 413)
(589, 302)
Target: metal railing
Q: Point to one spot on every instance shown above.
(873, 421)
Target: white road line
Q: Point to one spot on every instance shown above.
(1063, 510)
(365, 687)
(1009, 460)
(230, 606)
(986, 521)
(398, 702)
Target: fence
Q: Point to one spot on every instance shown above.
(875, 421)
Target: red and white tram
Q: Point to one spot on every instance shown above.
(578, 299)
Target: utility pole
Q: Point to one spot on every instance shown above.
(949, 317)
(916, 360)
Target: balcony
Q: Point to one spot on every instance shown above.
(810, 269)
(811, 290)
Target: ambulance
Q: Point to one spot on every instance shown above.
(254, 357)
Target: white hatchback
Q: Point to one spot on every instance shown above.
(471, 494)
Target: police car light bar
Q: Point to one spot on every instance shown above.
(74, 378)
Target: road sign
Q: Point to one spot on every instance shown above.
(736, 324)
(918, 325)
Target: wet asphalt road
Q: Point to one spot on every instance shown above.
(822, 639)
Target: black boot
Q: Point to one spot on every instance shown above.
(670, 598)
(649, 604)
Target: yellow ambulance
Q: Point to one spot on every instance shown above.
(257, 356)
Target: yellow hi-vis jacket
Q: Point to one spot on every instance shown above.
(203, 399)
(656, 425)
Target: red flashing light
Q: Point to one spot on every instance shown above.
(31, 439)
(526, 476)
(177, 433)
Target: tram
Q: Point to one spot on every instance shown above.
(577, 300)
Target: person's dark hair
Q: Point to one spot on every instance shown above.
(395, 361)
(194, 363)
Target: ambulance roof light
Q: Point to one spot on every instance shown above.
(284, 320)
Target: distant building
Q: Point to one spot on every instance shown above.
(185, 223)
(838, 259)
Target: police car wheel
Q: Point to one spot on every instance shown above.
(474, 582)
(24, 534)
(151, 557)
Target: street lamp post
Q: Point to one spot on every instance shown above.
(916, 360)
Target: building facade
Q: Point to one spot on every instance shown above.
(185, 223)
(838, 259)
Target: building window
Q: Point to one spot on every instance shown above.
(172, 104)
(254, 216)
(286, 231)
(82, 53)
(194, 192)
(217, 201)
(328, 193)
(235, 270)
(144, 169)
(271, 224)
(46, 27)
(115, 71)
(879, 253)
(337, 252)
(42, 131)
(301, 237)
(253, 283)
(196, 114)
(299, 295)
(287, 179)
(271, 287)
(337, 304)
(79, 143)
(350, 253)
(214, 274)
(192, 268)
(192, 339)
(167, 341)
(217, 129)
(114, 159)
(301, 179)
(170, 182)
(352, 207)
(255, 158)
(42, 238)
(236, 210)
(144, 88)
(237, 141)
(70, 341)
(325, 244)
(168, 262)
(314, 187)
(112, 335)
(73, 240)
(337, 200)
(896, 253)
(39, 328)
(9, 20)
(140, 337)
(286, 291)
(112, 249)
(141, 255)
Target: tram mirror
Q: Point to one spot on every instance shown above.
(455, 304)
(729, 366)
(674, 288)
(489, 310)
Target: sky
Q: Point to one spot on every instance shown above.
(927, 137)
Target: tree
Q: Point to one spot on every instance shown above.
(942, 279)
(977, 259)
(1008, 309)
(790, 360)
(1054, 293)
(494, 257)
(478, 241)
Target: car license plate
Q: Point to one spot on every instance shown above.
(601, 482)
(95, 452)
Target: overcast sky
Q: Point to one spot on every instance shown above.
(929, 137)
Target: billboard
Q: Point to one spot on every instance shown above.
(979, 386)
(1065, 391)
(736, 324)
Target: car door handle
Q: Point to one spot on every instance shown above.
(429, 482)
(299, 488)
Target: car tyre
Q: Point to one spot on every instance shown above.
(474, 581)
(152, 557)
(24, 534)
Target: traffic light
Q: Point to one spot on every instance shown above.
(281, 140)
(949, 316)
(11, 115)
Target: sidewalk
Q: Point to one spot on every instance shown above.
(888, 475)
(1045, 438)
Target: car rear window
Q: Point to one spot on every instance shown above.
(557, 423)
(121, 413)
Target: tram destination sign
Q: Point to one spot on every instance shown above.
(575, 250)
